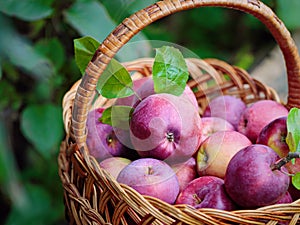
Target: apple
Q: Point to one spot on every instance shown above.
(258, 115)
(101, 139)
(114, 165)
(216, 151)
(206, 192)
(286, 198)
(147, 89)
(250, 180)
(185, 172)
(274, 135)
(212, 125)
(165, 125)
(151, 177)
(226, 107)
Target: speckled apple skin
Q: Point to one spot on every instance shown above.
(226, 107)
(160, 183)
(97, 134)
(160, 114)
(258, 115)
(206, 192)
(249, 180)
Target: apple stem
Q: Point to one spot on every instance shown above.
(285, 160)
(197, 199)
(170, 136)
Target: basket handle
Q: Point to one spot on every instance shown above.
(139, 20)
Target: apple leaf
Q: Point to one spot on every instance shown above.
(84, 48)
(115, 81)
(296, 180)
(117, 116)
(293, 128)
(170, 72)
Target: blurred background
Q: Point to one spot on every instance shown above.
(37, 67)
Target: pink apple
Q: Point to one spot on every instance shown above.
(258, 115)
(286, 198)
(147, 89)
(114, 165)
(151, 177)
(212, 125)
(226, 107)
(165, 125)
(217, 150)
(274, 135)
(101, 139)
(185, 172)
(206, 192)
(250, 180)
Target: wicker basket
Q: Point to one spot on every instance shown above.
(92, 196)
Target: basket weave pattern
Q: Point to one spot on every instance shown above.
(92, 196)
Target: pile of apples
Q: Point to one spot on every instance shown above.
(223, 159)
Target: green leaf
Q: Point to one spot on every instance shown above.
(28, 10)
(115, 81)
(89, 18)
(84, 48)
(170, 72)
(293, 128)
(296, 180)
(42, 125)
(289, 13)
(53, 50)
(117, 116)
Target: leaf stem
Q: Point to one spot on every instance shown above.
(285, 160)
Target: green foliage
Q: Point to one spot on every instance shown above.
(37, 67)
(293, 129)
(117, 116)
(170, 72)
(84, 48)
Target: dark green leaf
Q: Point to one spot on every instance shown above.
(53, 50)
(288, 12)
(115, 81)
(27, 9)
(170, 72)
(293, 128)
(42, 125)
(296, 180)
(90, 18)
(84, 48)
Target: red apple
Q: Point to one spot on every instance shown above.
(286, 198)
(151, 177)
(206, 192)
(250, 180)
(274, 135)
(212, 125)
(258, 115)
(101, 139)
(226, 107)
(217, 150)
(185, 172)
(114, 165)
(165, 125)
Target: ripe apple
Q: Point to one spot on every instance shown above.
(226, 107)
(101, 139)
(286, 198)
(217, 150)
(212, 125)
(258, 115)
(114, 165)
(206, 192)
(274, 135)
(250, 180)
(165, 125)
(185, 172)
(147, 89)
(151, 177)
